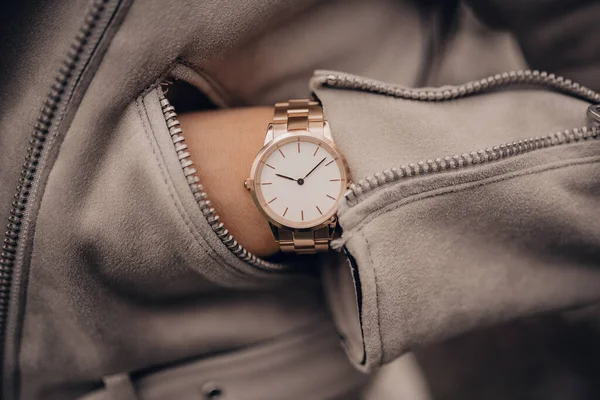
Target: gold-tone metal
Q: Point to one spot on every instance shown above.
(254, 183)
(298, 115)
(305, 241)
(299, 119)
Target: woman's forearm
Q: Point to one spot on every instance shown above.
(223, 145)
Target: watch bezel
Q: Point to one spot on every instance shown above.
(272, 146)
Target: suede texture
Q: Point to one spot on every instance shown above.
(126, 277)
(401, 132)
(552, 34)
(280, 61)
(452, 251)
(30, 55)
(141, 268)
(286, 359)
(125, 273)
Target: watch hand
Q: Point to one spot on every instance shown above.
(320, 162)
(286, 177)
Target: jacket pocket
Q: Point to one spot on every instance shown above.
(125, 261)
(181, 171)
(125, 200)
(201, 197)
(224, 261)
(497, 221)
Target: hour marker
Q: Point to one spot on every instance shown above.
(285, 212)
(302, 214)
(270, 166)
(331, 197)
(281, 152)
(317, 149)
(273, 199)
(266, 183)
(334, 180)
(319, 210)
(298, 145)
(329, 162)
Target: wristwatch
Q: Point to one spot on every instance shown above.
(299, 177)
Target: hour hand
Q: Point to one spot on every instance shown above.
(286, 177)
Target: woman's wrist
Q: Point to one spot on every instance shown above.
(223, 145)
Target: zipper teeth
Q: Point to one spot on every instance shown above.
(521, 77)
(42, 127)
(498, 81)
(200, 195)
(496, 153)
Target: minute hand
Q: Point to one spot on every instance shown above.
(316, 166)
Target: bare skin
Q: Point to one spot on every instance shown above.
(223, 145)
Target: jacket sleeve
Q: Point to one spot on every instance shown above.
(448, 229)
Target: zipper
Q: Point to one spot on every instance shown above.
(465, 160)
(82, 49)
(199, 193)
(483, 156)
(445, 93)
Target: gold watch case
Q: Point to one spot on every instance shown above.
(251, 183)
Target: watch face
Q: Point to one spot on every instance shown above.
(298, 180)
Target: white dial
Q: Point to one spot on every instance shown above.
(299, 181)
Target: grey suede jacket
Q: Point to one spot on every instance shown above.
(472, 204)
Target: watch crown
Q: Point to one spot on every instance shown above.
(247, 183)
